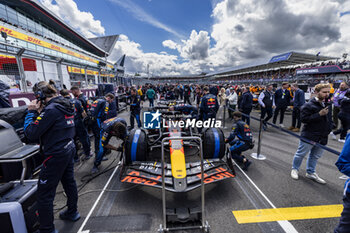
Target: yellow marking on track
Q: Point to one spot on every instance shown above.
(290, 213)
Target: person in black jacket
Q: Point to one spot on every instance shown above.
(298, 102)
(187, 94)
(282, 101)
(344, 117)
(317, 126)
(246, 105)
(50, 122)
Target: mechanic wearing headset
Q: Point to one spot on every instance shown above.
(99, 110)
(185, 109)
(112, 127)
(135, 108)
(50, 122)
(244, 140)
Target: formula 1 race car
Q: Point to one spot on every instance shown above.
(182, 149)
(176, 158)
(164, 102)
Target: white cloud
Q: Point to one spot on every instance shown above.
(169, 44)
(252, 31)
(140, 14)
(196, 47)
(243, 31)
(137, 60)
(83, 21)
(159, 64)
(247, 30)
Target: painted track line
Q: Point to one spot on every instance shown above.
(286, 225)
(97, 201)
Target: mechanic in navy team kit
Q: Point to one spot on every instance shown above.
(50, 122)
(99, 111)
(80, 127)
(79, 115)
(135, 108)
(112, 127)
(243, 142)
(170, 94)
(208, 105)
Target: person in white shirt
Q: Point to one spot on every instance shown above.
(232, 102)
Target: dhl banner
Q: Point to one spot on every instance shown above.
(81, 71)
(6, 56)
(107, 75)
(91, 72)
(45, 44)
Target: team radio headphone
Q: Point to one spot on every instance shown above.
(39, 93)
(43, 90)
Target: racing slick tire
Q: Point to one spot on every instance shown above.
(213, 143)
(136, 146)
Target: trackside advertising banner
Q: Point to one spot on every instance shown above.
(20, 99)
(322, 70)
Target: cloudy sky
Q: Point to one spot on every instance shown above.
(176, 37)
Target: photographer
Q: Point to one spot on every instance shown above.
(317, 126)
(50, 122)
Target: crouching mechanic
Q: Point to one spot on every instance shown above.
(99, 111)
(50, 122)
(112, 127)
(243, 142)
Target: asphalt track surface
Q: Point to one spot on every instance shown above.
(128, 208)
